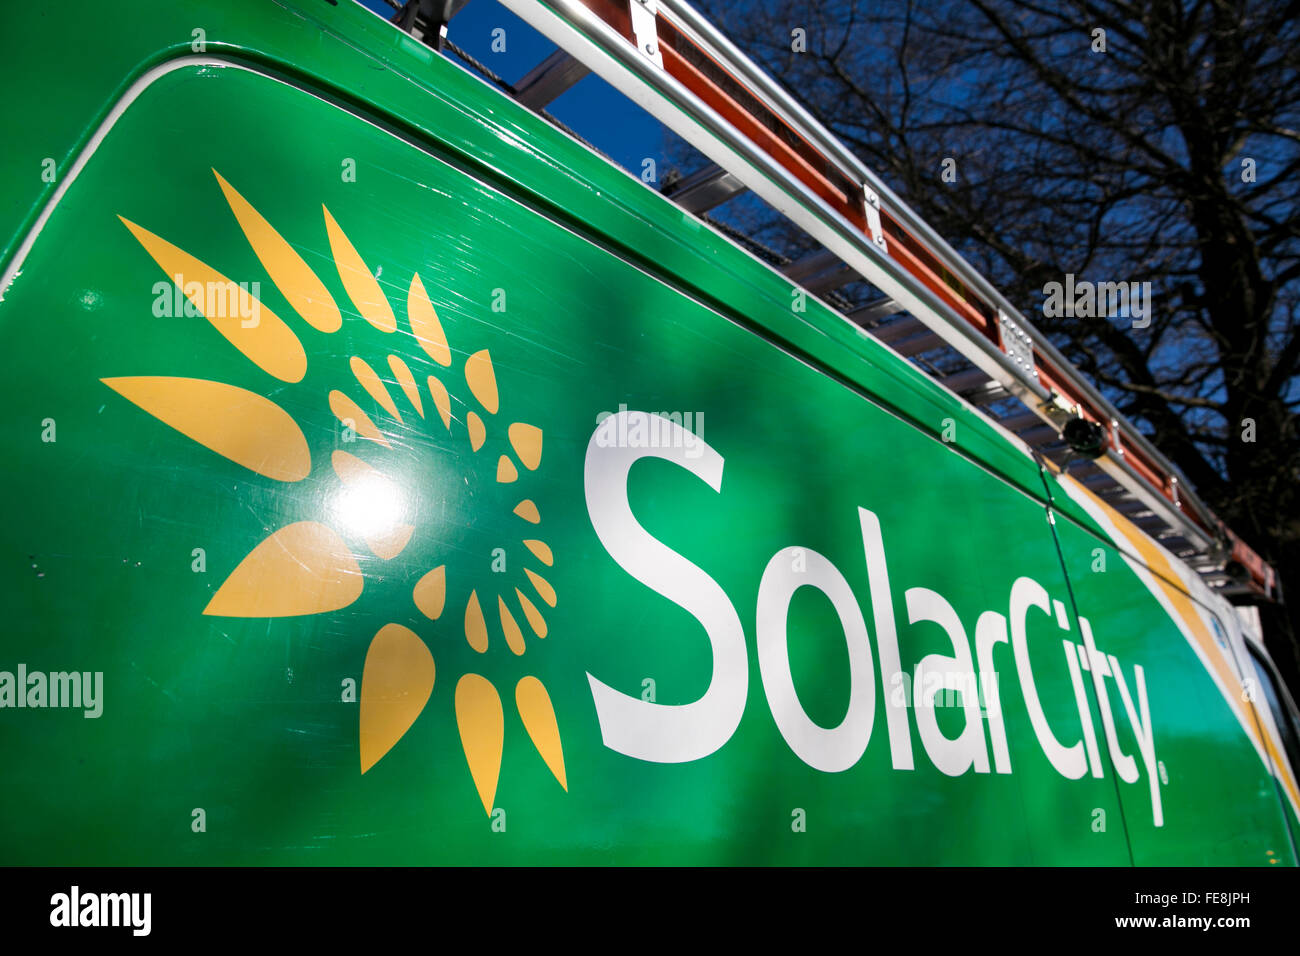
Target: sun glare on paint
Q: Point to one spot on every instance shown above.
(372, 506)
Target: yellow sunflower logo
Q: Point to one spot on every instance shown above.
(306, 567)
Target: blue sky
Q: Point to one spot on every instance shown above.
(625, 132)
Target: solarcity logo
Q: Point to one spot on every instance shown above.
(685, 732)
(307, 567)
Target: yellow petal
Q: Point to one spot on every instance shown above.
(390, 544)
(482, 380)
(441, 400)
(514, 637)
(350, 414)
(528, 511)
(538, 715)
(304, 568)
(361, 285)
(431, 593)
(535, 619)
(405, 379)
(543, 588)
(369, 380)
(475, 626)
(477, 431)
(395, 686)
(425, 325)
(527, 443)
(291, 275)
(506, 470)
(262, 336)
(481, 722)
(542, 551)
(350, 468)
(240, 425)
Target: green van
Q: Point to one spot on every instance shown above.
(392, 479)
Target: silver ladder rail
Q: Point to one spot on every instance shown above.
(656, 52)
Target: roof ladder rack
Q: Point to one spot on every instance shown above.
(670, 61)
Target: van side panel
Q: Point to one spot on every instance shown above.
(405, 485)
(1205, 734)
(199, 539)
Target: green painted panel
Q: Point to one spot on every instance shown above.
(141, 503)
(348, 53)
(1219, 804)
(244, 717)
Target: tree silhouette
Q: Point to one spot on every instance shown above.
(1151, 142)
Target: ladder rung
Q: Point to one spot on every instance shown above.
(1039, 433)
(548, 79)
(962, 381)
(871, 313)
(1017, 422)
(918, 344)
(819, 272)
(990, 391)
(833, 278)
(705, 189)
(898, 329)
(803, 268)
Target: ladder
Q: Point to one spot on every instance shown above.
(933, 307)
